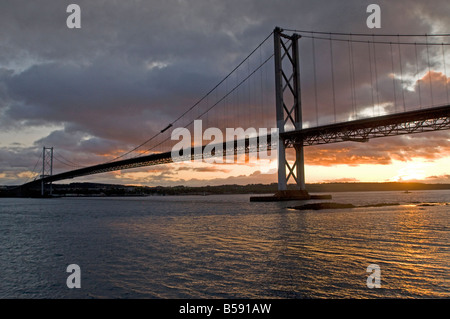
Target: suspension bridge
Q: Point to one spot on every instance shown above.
(315, 88)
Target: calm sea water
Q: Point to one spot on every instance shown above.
(225, 247)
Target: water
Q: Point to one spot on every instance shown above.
(225, 247)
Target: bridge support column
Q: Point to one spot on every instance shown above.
(289, 117)
(288, 107)
(47, 167)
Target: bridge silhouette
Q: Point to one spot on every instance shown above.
(327, 88)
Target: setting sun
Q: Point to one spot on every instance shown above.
(411, 171)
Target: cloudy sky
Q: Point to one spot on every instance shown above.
(96, 92)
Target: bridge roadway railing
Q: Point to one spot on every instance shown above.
(236, 147)
(418, 121)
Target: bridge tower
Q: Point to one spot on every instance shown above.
(288, 110)
(47, 167)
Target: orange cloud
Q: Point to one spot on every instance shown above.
(436, 77)
(445, 178)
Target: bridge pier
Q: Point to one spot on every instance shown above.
(289, 115)
(288, 107)
(47, 168)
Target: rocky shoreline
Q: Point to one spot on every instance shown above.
(331, 205)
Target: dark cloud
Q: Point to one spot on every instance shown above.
(439, 178)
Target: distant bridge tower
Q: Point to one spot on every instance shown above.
(288, 108)
(47, 167)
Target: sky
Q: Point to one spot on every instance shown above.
(96, 92)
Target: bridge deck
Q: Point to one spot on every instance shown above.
(418, 121)
(431, 119)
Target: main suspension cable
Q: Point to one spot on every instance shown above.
(195, 104)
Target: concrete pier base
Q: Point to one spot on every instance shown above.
(288, 195)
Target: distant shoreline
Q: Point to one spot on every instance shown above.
(105, 190)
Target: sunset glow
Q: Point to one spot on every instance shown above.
(411, 171)
(96, 100)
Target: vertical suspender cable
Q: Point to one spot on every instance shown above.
(350, 65)
(429, 70)
(247, 97)
(33, 171)
(401, 74)
(353, 79)
(445, 73)
(228, 107)
(393, 77)
(250, 86)
(315, 80)
(236, 109)
(376, 73)
(261, 99)
(371, 78)
(266, 82)
(418, 79)
(218, 119)
(207, 115)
